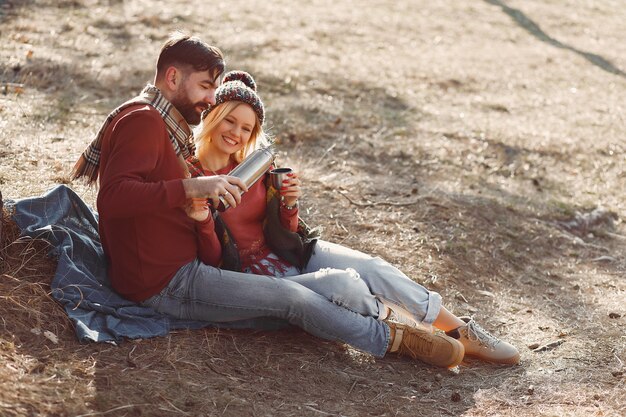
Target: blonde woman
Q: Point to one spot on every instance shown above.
(328, 290)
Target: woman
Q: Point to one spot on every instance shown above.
(233, 128)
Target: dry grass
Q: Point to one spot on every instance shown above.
(458, 140)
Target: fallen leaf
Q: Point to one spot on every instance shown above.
(51, 337)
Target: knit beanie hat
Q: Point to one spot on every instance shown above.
(238, 86)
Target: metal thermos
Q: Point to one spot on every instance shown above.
(250, 170)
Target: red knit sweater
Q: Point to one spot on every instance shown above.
(145, 232)
(245, 222)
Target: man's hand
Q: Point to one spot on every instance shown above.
(229, 187)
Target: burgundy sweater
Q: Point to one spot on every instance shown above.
(245, 222)
(145, 232)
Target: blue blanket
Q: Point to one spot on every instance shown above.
(80, 283)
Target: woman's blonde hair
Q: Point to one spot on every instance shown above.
(257, 137)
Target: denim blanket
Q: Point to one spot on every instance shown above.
(80, 283)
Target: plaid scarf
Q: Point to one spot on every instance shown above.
(179, 131)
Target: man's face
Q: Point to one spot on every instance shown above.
(195, 93)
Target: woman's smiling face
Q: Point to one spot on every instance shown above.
(234, 131)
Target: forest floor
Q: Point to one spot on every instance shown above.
(477, 145)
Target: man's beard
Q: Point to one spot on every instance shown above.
(188, 109)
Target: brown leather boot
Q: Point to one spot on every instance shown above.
(432, 348)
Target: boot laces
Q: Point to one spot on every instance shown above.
(416, 344)
(476, 333)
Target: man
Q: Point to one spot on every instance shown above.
(139, 155)
(151, 244)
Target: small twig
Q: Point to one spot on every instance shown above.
(604, 258)
(445, 411)
(326, 153)
(317, 411)
(380, 203)
(459, 294)
(567, 234)
(238, 351)
(211, 367)
(101, 413)
(549, 346)
(616, 235)
(129, 358)
(226, 408)
(173, 406)
(352, 387)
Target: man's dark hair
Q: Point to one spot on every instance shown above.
(182, 50)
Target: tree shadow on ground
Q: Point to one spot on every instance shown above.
(343, 128)
(534, 29)
(503, 257)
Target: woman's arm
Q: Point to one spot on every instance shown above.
(209, 247)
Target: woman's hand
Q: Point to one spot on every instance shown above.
(197, 209)
(290, 190)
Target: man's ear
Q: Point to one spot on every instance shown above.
(173, 78)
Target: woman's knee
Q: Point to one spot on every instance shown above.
(344, 281)
(345, 287)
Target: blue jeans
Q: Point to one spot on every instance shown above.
(336, 298)
(201, 292)
(385, 282)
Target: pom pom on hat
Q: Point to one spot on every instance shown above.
(238, 86)
(242, 76)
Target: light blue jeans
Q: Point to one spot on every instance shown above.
(384, 281)
(336, 298)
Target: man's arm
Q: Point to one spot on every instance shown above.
(130, 185)
(214, 186)
(209, 247)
